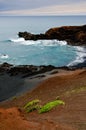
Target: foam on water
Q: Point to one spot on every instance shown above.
(21, 41)
(80, 56)
(79, 51)
(4, 56)
(17, 40)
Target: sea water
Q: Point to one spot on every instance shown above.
(17, 51)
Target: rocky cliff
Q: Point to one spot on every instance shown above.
(74, 35)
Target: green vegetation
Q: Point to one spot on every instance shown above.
(34, 105)
(32, 108)
(47, 107)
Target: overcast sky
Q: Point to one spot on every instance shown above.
(42, 7)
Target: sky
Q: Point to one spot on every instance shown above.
(42, 7)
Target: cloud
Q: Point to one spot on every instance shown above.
(32, 4)
(55, 9)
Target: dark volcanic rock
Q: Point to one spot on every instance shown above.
(31, 70)
(29, 36)
(24, 70)
(5, 67)
(74, 35)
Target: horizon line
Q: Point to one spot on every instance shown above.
(45, 15)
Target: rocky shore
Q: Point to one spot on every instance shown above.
(74, 35)
(12, 78)
(30, 70)
(22, 78)
(24, 70)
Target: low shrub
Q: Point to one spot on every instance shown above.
(47, 107)
(32, 108)
(32, 103)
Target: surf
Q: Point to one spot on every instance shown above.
(21, 41)
(80, 56)
(4, 56)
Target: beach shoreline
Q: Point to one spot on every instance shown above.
(23, 78)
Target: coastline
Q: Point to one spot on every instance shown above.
(73, 35)
(22, 78)
(23, 83)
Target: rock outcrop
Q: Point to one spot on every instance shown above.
(31, 70)
(74, 35)
(24, 70)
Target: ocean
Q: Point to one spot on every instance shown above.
(17, 51)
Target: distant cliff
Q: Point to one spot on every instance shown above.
(74, 35)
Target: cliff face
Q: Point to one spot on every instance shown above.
(74, 35)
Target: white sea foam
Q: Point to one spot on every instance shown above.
(39, 42)
(17, 40)
(80, 56)
(4, 56)
(62, 43)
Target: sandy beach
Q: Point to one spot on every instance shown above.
(62, 83)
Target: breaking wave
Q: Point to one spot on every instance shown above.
(17, 40)
(39, 42)
(80, 56)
